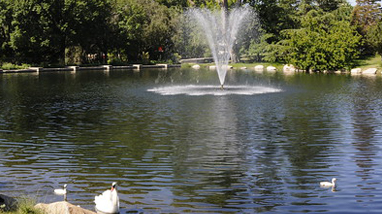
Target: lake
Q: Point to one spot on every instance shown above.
(175, 143)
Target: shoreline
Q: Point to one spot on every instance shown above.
(79, 68)
(137, 67)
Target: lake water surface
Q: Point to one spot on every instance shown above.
(215, 152)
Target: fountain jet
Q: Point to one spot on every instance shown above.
(221, 29)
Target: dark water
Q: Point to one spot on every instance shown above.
(200, 154)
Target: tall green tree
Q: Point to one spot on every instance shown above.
(89, 23)
(144, 26)
(225, 4)
(277, 15)
(173, 3)
(325, 5)
(323, 43)
(366, 13)
(374, 37)
(260, 50)
(188, 41)
(5, 29)
(43, 29)
(29, 36)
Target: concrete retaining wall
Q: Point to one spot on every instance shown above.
(78, 68)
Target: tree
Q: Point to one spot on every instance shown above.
(173, 3)
(29, 37)
(189, 42)
(89, 25)
(41, 30)
(226, 4)
(323, 43)
(374, 37)
(144, 26)
(5, 28)
(365, 14)
(326, 5)
(260, 50)
(275, 16)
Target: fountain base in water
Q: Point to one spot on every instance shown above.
(201, 90)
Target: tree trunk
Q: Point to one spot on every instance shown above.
(234, 57)
(224, 4)
(235, 54)
(61, 57)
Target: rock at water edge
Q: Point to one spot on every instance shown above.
(271, 68)
(355, 71)
(62, 207)
(196, 66)
(259, 68)
(370, 71)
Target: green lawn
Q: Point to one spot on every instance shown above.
(370, 62)
(252, 65)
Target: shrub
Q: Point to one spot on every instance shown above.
(10, 66)
(324, 43)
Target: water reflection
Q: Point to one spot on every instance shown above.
(366, 136)
(174, 154)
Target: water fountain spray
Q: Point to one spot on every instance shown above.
(221, 29)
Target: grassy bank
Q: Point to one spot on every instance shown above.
(279, 66)
(10, 66)
(370, 62)
(236, 65)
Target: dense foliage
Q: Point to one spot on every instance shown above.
(324, 42)
(311, 34)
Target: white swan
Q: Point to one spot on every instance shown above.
(61, 191)
(108, 201)
(329, 184)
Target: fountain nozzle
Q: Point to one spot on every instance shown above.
(221, 87)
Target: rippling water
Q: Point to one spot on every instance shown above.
(176, 153)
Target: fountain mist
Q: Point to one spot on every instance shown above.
(221, 29)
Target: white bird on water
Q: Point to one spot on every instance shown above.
(329, 184)
(108, 201)
(61, 191)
